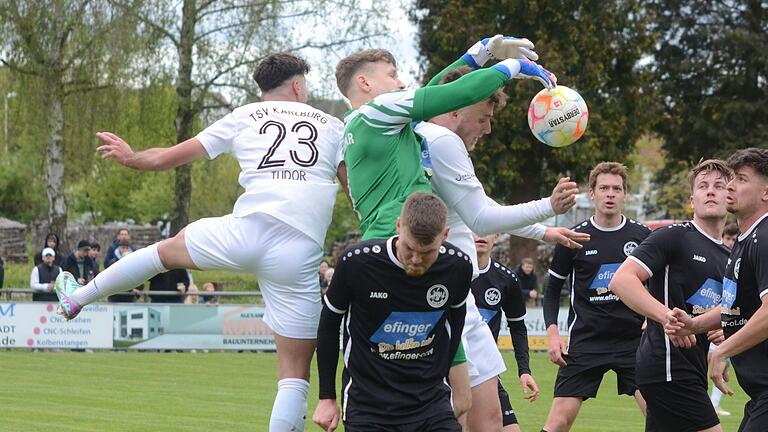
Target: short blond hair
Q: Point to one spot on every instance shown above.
(350, 65)
(708, 166)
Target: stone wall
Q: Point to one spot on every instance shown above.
(12, 237)
(141, 235)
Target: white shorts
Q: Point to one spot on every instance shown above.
(484, 360)
(283, 259)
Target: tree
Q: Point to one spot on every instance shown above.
(70, 46)
(592, 46)
(710, 67)
(214, 43)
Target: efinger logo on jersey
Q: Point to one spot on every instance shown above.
(729, 296)
(603, 277)
(600, 284)
(406, 330)
(707, 297)
(487, 314)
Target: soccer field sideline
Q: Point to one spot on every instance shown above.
(129, 391)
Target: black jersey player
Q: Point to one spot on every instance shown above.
(685, 264)
(743, 314)
(603, 332)
(403, 304)
(497, 289)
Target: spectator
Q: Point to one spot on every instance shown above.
(42, 277)
(527, 279)
(730, 233)
(323, 268)
(210, 287)
(51, 241)
(328, 278)
(80, 264)
(94, 254)
(123, 236)
(192, 298)
(175, 280)
(122, 251)
(123, 248)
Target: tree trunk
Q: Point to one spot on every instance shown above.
(185, 114)
(54, 173)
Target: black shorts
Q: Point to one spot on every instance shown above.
(678, 407)
(439, 423)
(755, 415)
(507, 413)
(583, 373)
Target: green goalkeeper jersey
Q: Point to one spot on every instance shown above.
(384, 155)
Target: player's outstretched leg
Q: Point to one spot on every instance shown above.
(127, 273)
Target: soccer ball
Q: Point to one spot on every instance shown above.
(558, 117)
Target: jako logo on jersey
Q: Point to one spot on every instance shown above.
(707, 297)
(378, 295)
(603, 277)
(487, 314)
(492, 296)
(699, 258)
(591, 252)
(629, 247)
(406, 330)
(437, 296)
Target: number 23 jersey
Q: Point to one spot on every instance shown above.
(288, 154)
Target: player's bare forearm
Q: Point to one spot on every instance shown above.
(154, 159)
(341, 174)
(753, 332)
(712, 320)
(627, 284)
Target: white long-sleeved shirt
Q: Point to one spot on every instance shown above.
(34, 281)
(469, 208)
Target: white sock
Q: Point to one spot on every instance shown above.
(716, 396)
(128, 272)
(290, 408)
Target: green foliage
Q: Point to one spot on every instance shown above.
(345, 223)
(674, 194)
(711, 68)
(592, 46)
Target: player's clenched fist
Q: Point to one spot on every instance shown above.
(327, 415)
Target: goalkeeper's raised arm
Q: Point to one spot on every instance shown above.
(493, 48)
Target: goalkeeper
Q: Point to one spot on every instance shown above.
(387, 161)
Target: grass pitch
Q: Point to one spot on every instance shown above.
(132, 391)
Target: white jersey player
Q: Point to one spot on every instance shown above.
(289, 154)
(449, 137)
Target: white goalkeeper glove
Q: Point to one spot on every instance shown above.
(500, 48)
(523, 68)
